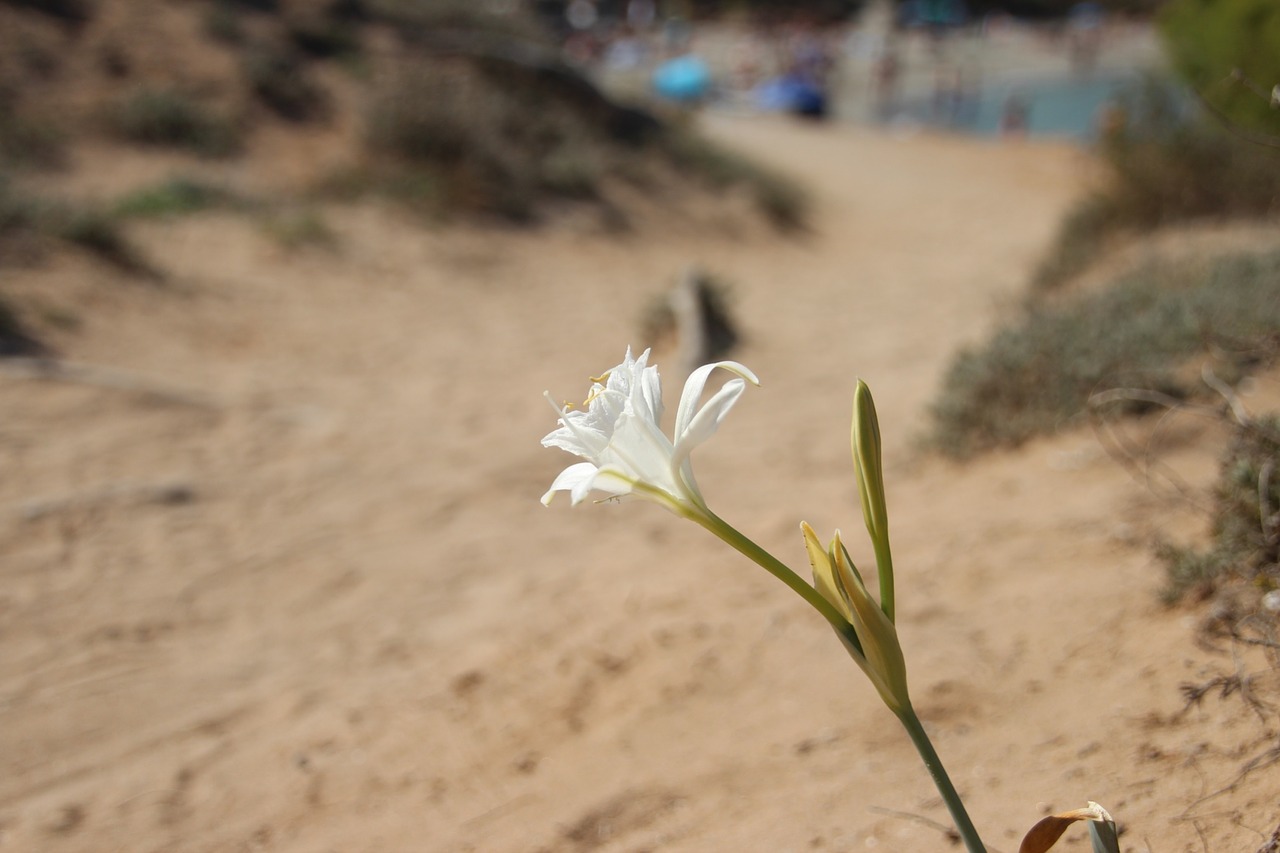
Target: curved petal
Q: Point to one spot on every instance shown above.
(570, 480)
(708, 418)
(694, 385)
(646, 393)
(575, 439)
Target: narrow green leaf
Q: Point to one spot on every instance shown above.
(1103, 835)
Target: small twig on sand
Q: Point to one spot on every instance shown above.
(166, 494)
(948, 831)
(1140, 461)
(1233, 400)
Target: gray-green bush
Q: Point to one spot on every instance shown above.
(171, 118)
(1245, 537)
(1037, 373)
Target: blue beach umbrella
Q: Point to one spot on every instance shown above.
(685, 78)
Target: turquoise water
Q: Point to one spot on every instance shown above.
(1062, 107)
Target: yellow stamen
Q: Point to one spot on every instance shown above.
(598, 382)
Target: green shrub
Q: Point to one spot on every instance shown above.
(19, 224)
(174, 197)
(24, 142)
(280, 80)
(170, 118)
(1208, 41)
(415, 19)
(14, 337)
(299, 229)
(495, 141)
(496, 122)
(1245, 539)
(326, 35)
(1038, 373)
(100, 234)
(1164, 166)
(265, 6)
(27, 224)
(73, 12)
(222, 23)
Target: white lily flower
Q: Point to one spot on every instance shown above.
(618, 432)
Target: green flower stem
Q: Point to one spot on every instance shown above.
(777, 568)
(964, 825)
(884, 568)
(910, 721)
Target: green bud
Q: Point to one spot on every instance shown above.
(869, 469)
(884, 662)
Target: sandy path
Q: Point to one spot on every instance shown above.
(362, 632)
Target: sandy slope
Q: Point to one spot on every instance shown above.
(295, 591)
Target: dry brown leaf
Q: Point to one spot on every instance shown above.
(1047, 832)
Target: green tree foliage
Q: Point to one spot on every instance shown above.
(1210, 40)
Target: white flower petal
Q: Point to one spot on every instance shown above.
(570, 479)
(588, 444)
(708, 418)
(614, 482)
(646, 391)
(576, 434)
(640, 449)
(618, 432)
(694, 386)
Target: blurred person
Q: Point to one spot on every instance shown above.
(1014, 115)
(1084, 36)
(885, 76)
(626, 49)
(581, 47)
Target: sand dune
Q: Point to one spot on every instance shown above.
(290, 587)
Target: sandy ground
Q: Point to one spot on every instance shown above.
(281, 581)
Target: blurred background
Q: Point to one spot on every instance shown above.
(282, 283)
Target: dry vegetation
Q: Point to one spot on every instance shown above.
(447, 107)
(1170, 338)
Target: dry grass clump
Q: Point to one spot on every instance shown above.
(505, 134)
(18, 223)
(14, 337)
(1036, 374)
(1244, 547)
(72, 12)
(494, 139)
(280, 79)
(28, 225)
(171, 118)
(27, 141)
(176, 196)
(464, 110)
